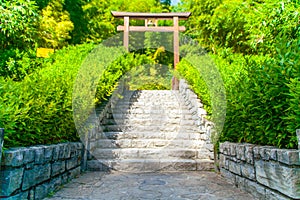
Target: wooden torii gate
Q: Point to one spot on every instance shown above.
(152, 19)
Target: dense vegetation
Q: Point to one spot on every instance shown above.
(255, 45)
(36, 93)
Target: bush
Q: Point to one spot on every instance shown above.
(38, 110)
(115, 71)
(197, 83)
(264, 107)
(248, 27)
(18, 22)
(17, 64)
(262, 95)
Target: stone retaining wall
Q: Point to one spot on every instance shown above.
(95, 120)
(198, 112)
(264, 171)
(34, 172)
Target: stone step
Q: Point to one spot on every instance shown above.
(154, 109)
(150, 143)
(143, 101)
(120, 116)
(149, 110)
(184, 135)
(150, 165)
(151, 92)
(151, 98)
(148, 122)
(150, 153)
(164, 127)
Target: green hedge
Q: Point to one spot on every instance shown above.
(38, 110)
(16, 64)
(264, 107)
(262, 93)
(116, 70)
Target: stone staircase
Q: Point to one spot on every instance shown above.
(151, 130)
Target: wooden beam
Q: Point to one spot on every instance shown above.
(151, 29)
(126, 33)
(175, 81)
(176, 41)
(160, 16)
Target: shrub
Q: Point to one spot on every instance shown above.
(262, 94)
(38, 110)
(115, 71)
(16, 64)
(18, 22)
(264, 107)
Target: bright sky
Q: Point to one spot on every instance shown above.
(174, 2)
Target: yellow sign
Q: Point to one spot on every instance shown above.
(44, 52)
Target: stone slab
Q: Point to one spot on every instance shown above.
(11, 180)
(36, 175)
(58, 167)
(279, 177)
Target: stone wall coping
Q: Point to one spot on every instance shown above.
(19, 156)
(33, 172)
(268, 153)
(275, 172)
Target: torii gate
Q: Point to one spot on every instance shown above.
(153, 19)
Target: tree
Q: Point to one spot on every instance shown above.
(55, 25)
(18, 23)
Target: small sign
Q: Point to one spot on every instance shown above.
(44, 52)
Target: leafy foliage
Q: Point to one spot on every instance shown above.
(248, 27)
(38, 110)
(55, 25)
(150, 77)
(16, 64)
(255, 45)
(264, 101)
(18, 22)
(115, 71)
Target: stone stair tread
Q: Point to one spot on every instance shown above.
(155, 128)
(152, 164)
(146, 149)
(150, 110)
(142, 153)
(150, 143)
(121, 121)
(188, 127)
(187, 135)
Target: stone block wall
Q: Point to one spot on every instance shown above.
(264, 171)
(198, 112)
(94, 123)
(34, 172)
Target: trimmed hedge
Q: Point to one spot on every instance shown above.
(262, 93)
(264, 107)
(38, 110)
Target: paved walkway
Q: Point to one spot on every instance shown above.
(152, 186)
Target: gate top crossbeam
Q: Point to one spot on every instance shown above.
(162, 16)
